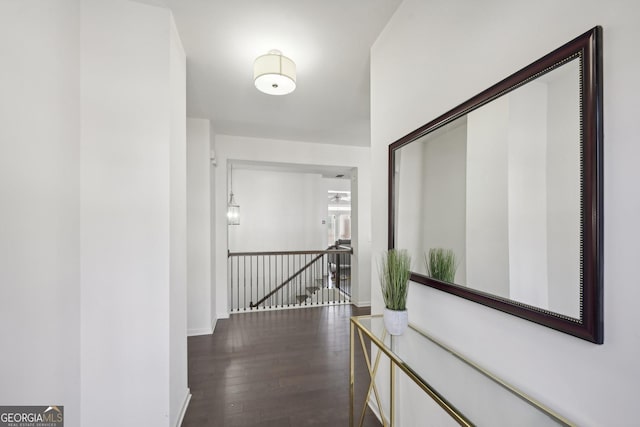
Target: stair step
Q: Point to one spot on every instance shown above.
(312, 289)
(301, 298)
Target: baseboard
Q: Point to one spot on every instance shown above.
(362, 304)
(185, 405)
(203, 331)
(223, 315)
(199, 331)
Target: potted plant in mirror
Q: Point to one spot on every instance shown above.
(394, 279)
(441, 264)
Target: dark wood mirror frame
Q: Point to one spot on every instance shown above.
(590, 325)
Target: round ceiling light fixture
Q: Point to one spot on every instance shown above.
(274, 73)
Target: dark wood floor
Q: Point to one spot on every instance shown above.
(275, 368)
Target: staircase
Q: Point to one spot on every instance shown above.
(273, 280)
(311, 291)
(325, 292)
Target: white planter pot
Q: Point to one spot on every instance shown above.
(396, 321)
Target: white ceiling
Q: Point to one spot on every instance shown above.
(329, 40)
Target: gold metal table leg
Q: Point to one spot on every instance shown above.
(392, 393)
(372, 384)
(351, 373)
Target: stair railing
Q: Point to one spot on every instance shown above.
(286, 282)
(285, 279)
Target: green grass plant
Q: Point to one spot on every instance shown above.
(441, 264)
(394, 271)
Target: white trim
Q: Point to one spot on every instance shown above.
(362, 304)
(185, 405)
(203, 331)
(199, 331)
(224, 315)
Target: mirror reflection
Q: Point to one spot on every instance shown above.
(491, 200)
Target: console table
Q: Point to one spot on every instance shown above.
(468, 393)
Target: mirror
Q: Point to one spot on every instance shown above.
(499, 200)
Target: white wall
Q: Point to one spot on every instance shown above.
(133, 232)
(178, 389)
(39, 205)
(199, 312)
(279, 211)
(361, 231)
(93, 211)
(229, 148)
(591, 385)
(212, 226)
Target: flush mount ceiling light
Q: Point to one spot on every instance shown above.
(274, 74)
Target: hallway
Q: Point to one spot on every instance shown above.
(275, 368)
